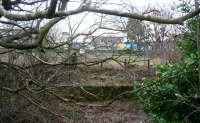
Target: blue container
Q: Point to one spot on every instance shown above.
(131, 46)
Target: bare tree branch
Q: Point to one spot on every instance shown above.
(43, 14)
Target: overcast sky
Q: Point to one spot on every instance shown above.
(122, 5)
(136, 3)
(152, 2)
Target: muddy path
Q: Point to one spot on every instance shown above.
(110, 75)
(117, 112)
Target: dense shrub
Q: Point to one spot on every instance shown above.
(174, 95)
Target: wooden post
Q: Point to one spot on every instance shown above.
(148, 63)
(125, 64)
(148, 66)
(101, 65)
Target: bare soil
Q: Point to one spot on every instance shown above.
(117, 112)
(120, 111)
(109, 75)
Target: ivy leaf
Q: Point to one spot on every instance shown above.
(189, 61)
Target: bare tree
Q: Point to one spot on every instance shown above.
(27, 33)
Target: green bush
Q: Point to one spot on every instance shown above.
(174, 95)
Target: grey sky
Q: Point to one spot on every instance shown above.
(122, 5)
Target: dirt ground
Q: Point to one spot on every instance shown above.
(117, 112)
(120, 111)
(112, 74)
